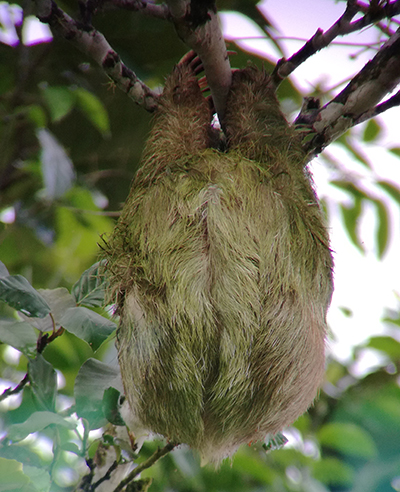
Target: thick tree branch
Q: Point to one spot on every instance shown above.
(197, 25)
(159, 11)
(95, 45)
(357, 102)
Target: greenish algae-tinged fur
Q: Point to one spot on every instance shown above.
(221, 270)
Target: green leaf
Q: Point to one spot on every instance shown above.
(350, 221)
(71, 447)
(357, 154)
(19, 335)
(93, 379)
(111, 406)
(12, 475)
(348, 439)
(40, 478)
(57, 168)
(89, 289)
(395, 151)
(36, 422)
(60, 101)
(59, 300)
(88, 325)
(93, 109)
(392, 190)
(371, 131)
(18, 293)
(382, 233)
(350, 188)
(395, 321)
(346, 311)
(333, 472)
(256, 469)
(37, 115)
(43, 381)
(385, 344)
(3, 270)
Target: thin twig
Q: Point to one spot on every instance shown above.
(341, 27)
(43, 340)
(105, 477)
(146, 464)
(13, 391)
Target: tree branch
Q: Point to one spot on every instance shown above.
(160, 11)
(94, 44)
(197, 25)
(341, 27)
(358, 99)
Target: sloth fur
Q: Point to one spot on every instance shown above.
(221, 268)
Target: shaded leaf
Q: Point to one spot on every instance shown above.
(59, 301)
(57, 168)
(346, 311)
(256, 469)
(382, 233)
(88, 325)
(391, 189)
(395, 151)
(395, 321)
(43, 381)
(60, 101)
(89, 289)
(3, 270)
(371, 131)
(71, 447)
(12, 475)
(93, 379)
(19, 335)
(37, 115)
(350, 188)
(18, 293)
(385, 344)
(111, 406)
(334, 472)
(348, 439)
(37, 422)
(354, 151)
(94, 110)
(40, 478)
(350, 221)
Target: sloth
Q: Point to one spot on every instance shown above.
(221, 270)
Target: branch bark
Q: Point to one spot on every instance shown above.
(341, 27)
(357, 102)
(196, 23)
(95, 45)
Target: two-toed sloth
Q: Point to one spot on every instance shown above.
(221, 269)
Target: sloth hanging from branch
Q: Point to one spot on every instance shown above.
(220, 265)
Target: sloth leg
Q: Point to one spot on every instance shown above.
(182, 121)
(254, 123)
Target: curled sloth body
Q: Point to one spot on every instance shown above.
(221, 268)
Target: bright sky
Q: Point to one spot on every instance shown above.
(362, 283)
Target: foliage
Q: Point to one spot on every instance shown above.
(57, 356)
